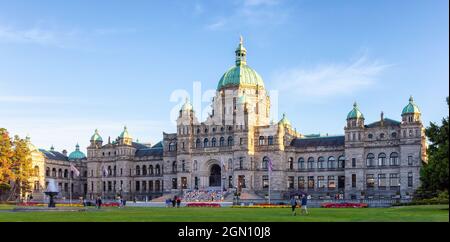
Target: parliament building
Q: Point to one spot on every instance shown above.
(233, 148)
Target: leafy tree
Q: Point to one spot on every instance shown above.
(434, 175)
(15, 165)
(6, 154)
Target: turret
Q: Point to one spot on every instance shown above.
(125, 138)
(355, 118)
(411, 112)
(96, 140)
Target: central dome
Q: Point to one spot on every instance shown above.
(241, 74)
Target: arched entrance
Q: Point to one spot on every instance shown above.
(215, 176)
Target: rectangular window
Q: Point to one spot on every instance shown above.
(144, 186)
(353, 180)
(241, 162)
(109, 186)
(410, 179)
(290, 182)
(310, 182)
(410, 160)
(150, 186)
(230, 181)
(382, 181)
(353, 162)
(66, 187)
(138, 187)
(241, 141)
(265, 181)
(331, 182)
(174, 183)
(301, 182)
(320, 182)
(394, 180)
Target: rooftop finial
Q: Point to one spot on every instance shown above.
(355, 104)
(241, 52)
(411, 99)
(77, 147)
(241, 40)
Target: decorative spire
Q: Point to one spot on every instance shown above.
(77, 147)
(411, 100)
(52, 148)
(241, 53)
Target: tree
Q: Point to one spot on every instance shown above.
(15, 165)
(434, 175)
(21, 166)
(6, 154)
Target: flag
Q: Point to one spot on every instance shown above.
(75, 170)
(270, 165)
(105, 171)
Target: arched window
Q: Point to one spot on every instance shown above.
(205, 142)
(54, 172)
(150, 169)
(230, 141)
(144, 170)
(213, 142)
(321, 163)
(172, 146)
(195, 165)
(60, 173)
(393, 159)
(36, 171)
(115, 171)
(331, 162)
(222, 141)
(198, 131)
(174, 166)
(230, 164)
(382, 159)
(341, 160)
(301, 163)
(370, 160)
(270, 140)
(138, 170)
(66, 173)
(109, 171)
(261, 140)
(265, 163)
(394, 135)
(47, 171)
(197, 143)
(291, 163)
(157, 169)
(310, 163)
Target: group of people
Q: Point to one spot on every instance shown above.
(303, 204)
(203, 195)
(175, 201)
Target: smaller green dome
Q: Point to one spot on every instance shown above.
(125, 133)
(77, 154)
(411, 107)
(187, 106)
(96, 136)
(355, 113)
(285, 120)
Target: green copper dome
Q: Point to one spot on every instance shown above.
(285, 120)
(77, 154)
(411, 107)
(355, 113)
(125, 133)
(96, 136)
(241, 74)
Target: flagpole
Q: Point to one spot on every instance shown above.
(70, 188)
(269, 185)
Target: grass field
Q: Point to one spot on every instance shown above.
(425, 213)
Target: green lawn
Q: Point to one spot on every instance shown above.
(407, 213)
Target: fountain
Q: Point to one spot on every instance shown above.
(52, 191)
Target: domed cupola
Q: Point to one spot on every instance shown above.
(96, 136)
(284, 120)
(240, 75)
(125, 137)
(187, 106)
(411, 112)
(77, 154)
(355, 118)
(411, 107)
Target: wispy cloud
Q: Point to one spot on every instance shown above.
(328, 80)
(251, 12)
(38, 35)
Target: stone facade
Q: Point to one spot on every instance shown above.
(237, 145)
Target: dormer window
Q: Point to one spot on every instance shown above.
(370, 136)
(394, 135)
(382, 135)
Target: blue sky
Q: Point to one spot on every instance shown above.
(67, 68)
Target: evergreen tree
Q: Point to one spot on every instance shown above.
(434, 175)
(6, 154)
(21, 166)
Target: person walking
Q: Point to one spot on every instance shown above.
(293, 205)
(174, 201)
(304, 204)
(178, 202)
